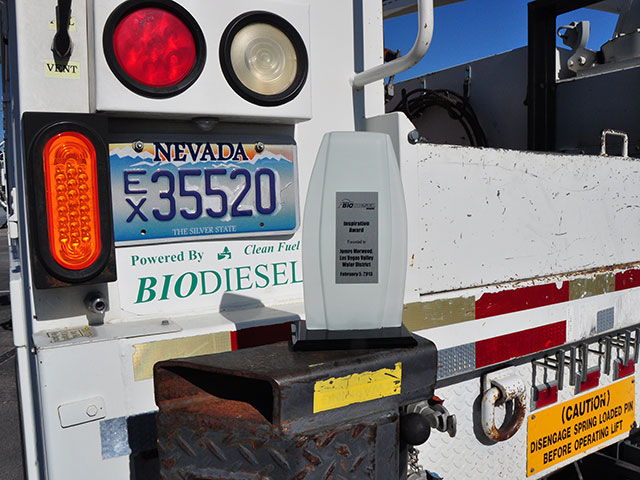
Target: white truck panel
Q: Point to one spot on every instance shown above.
(210, 95)
(493, 216)
(45, 85)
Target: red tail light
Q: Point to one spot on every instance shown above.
(155, 48)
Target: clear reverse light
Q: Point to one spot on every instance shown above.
(264, 59)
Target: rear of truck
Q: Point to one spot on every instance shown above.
(155, 194)
(159, 216)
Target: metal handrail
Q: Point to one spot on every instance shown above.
(400, 64)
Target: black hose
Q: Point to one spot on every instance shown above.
(416, 102)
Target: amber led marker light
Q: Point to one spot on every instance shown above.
(71, 187)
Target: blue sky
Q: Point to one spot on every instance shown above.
(478, 28)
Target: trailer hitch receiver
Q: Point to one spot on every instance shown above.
(269, 412)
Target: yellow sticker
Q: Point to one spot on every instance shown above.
(150, 353)
(70, 334)
(60, 70)
(53, 25)
(357, 388)
(567, 429)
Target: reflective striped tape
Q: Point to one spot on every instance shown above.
(437, 313)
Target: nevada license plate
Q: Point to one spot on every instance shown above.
(171, 191)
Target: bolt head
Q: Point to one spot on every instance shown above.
(259, 147)
(413, 137)
(92, 411)
(582, 60)
(138, 146)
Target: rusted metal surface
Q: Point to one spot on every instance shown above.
(510, 389)
(249, 415)
(236, 449)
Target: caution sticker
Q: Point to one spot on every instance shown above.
(567, 429)
(356, 388)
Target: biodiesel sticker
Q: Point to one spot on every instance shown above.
(208, 275)
(560, 432)
(356, 237)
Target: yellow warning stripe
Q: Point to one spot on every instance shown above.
(357, 388)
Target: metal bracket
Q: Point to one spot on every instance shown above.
(466, 85)
(617, 133)
(623, 343)
(551, 362)
(626, 344)
(575, 36)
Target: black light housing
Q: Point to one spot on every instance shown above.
(39, 129)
